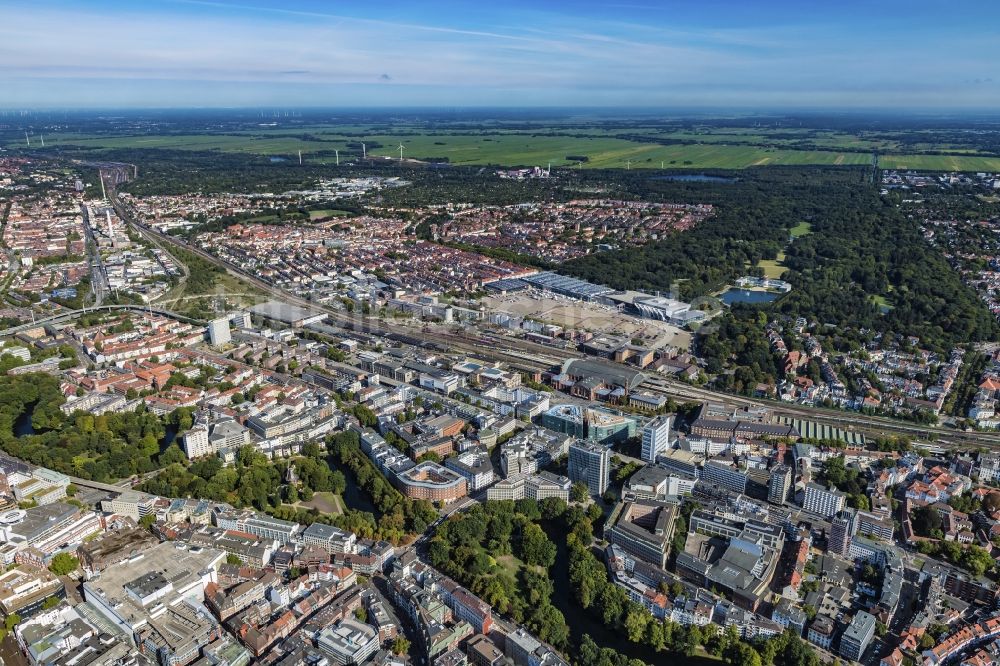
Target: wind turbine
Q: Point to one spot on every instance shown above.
(628, 165)
(364, 151)
(43, 141)
(26, 139)
(300, 158)
(401, 151)
(337, 153)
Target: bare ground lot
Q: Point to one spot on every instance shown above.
(593, 317)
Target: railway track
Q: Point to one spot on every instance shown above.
(532, 355)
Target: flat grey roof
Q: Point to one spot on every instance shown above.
(613, 373)
(284, 312)
(40, 518)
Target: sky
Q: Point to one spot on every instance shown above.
(746, 54)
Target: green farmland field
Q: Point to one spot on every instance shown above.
(940, 162)
(604, 147)
(515, 150)
(505, 149)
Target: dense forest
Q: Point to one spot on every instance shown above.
(861, 252)
(753, 218)
(864, 248)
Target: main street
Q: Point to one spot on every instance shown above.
(98, 273)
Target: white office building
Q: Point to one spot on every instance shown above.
(590, 464)
(348, 642)
(195, 442)
(656, 437)
(218, 332)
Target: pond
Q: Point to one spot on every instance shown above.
(751, 297)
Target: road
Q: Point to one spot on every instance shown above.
(530, 355)
(73, 314)
(98, 272)
(13, 263)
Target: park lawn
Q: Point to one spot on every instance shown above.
(324, 502)
(331, 212)
(882, 302)
(701, 653)
(800, 229)
(224, 284)
(773, 268)
(512, 565)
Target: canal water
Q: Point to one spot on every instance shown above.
(355, 498)
(22, 424)
(169, 436)
(582, 621)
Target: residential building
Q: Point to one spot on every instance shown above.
(821, 631)
(857, 636)
(779, 484)
(843, 527)
(484, 652)
(23, 590)
(195, 442)
(825, 502)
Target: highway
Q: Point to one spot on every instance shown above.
(531, 355)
